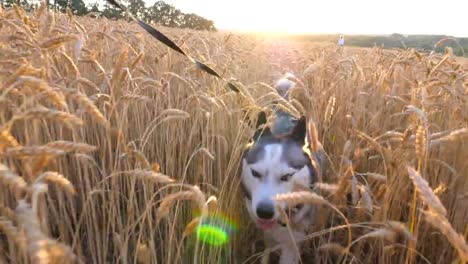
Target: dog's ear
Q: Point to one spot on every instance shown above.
(299, 132)
(261, 131)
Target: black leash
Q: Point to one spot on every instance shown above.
(168, 42)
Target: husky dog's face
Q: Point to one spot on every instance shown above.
(272, 166)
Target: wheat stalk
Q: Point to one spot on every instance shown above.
(89, 107)
(194, 194)
(382, 233)
(457, 240)
(326, 187)
(58, 179)
(56, 42)
(40, 248)
(151, 176)
(301, 197)
(15, 182)
(68, 146)
(40, 85)
(12, 233)
(60, 116)
(425, 192)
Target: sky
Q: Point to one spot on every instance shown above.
(445, 17)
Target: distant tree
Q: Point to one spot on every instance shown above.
(397, 36)
(197, 22)
(160, 13)
(9, 3)
(167, 15)
(111, 12)
(93, 8)
(164, 14)
(60, 5)
(137, 8)
(78, 7)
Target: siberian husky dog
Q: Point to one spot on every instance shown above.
(277, 160)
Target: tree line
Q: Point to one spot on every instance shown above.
(423, 42)
(159, 13)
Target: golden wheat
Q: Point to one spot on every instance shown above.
(142, 111)
(57, 178)
(295, 198)
(64, 117)
(457, 240)
(151, 176)
(426, 193)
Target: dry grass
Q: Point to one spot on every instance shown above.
(103, 131)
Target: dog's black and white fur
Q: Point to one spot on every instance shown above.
(273, 163)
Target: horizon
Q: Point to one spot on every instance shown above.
(417, 17)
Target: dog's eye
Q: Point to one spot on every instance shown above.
(256, 174)
(286, 177)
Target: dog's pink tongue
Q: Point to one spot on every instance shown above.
(266, 224)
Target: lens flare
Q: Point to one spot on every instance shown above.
(216, 229)
(212, 235)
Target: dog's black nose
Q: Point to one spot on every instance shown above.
(265, 210)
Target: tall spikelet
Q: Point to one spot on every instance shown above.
(32, 151)
(194, 195)
(313, 135)
(40, 85)
(401, 229)
(58, 179)
(175, 112)
(420, 149)
(212, 203)
(14, 182)
(419, 113)
(332, 247)
(151, 176)
(117, 72)
(441, 223)
(55, 42)
(459, 134)
(306, 197)
(382, 233)
(12, 233)
(329, 111)
(40, 248)
(326, 187)
(89, 107)
(7, 213)
(376, 176)
(344, 183)
(303, 197)
(87, 83)
(421, 143)
(71, 65)
(191, 226)
(139, 156)
(7, 140)
(64, 117)
(19, 12)
(135, 61)
(10, 80)
(366, 198)
(143, 254)
(69, 146)
(425, 192)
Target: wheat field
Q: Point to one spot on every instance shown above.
(110, 142)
